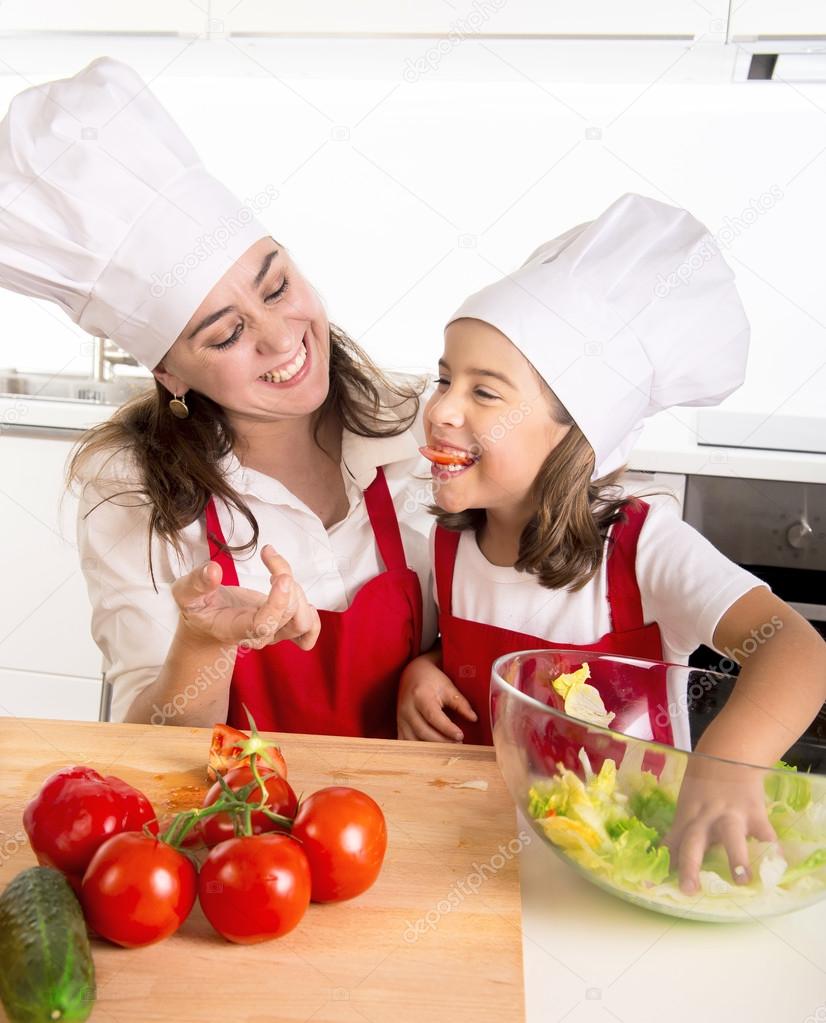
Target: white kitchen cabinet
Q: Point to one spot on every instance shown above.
(49, 664)
(34, 694)
(770, 19)
(172, 16)
(465, 17)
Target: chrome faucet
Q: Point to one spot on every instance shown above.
(106, 355)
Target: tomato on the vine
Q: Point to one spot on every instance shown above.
(344, 836)
(226, 751)
(280, 799)
(137, 889)
(255, 887)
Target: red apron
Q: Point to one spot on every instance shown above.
(348, 683)
(469, 648)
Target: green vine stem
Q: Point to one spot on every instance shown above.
(231, 802)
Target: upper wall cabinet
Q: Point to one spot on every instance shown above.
(465, 17)
(685, 18)
(144, 16)
(744, 19)
(770, 19)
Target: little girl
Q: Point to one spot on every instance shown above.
(546, 378)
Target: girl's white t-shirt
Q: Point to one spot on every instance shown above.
(686, 586)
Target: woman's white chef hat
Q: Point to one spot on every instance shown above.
(106, 209)
(626, 315)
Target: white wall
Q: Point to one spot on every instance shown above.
(399, 196)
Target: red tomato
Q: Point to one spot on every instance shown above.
(344, 836)
(225, 753)
(255, 887)
(137, 890)
(280, 799)
(75, 811)
(445, 457)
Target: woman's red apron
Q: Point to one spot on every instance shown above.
(470, 648)
(348, 683)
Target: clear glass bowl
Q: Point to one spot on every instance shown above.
(603, 795)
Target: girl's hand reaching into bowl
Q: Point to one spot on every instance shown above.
(719, 802)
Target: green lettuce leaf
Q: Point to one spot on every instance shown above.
(817, 861)
(788, 788)
(636, 856)
(655, 808)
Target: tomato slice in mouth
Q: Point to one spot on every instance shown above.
(441, 457)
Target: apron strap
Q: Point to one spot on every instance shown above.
(446, 545)
(385, 523)
(624, 597)
(382, 515)
(215, 538)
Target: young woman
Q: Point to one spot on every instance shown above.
(250, 530)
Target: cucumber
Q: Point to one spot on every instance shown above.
(46, 969)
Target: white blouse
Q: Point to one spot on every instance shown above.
(133, 625)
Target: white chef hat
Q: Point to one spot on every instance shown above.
(106, 209)
(626, 315)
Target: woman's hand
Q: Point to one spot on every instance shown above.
(719, 802)
(424, 692)
(242, 617)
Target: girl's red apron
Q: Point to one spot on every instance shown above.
(470, 648)
(348, 683)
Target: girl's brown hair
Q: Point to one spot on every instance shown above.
(177, 460)
(563, 544)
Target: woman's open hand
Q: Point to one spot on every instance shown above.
(241, 617)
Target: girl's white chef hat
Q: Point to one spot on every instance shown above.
(629, 314)
(106, 209)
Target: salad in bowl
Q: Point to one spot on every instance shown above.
(594, 749)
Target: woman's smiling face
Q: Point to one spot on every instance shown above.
(258, 344)
(491, 406)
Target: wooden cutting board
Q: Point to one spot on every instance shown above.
(438, 937)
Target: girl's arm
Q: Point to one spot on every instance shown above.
(782, 681)
(780, 689)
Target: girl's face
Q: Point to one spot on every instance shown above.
(492, 411)
(258, 344)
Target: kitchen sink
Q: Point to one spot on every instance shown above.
(66, 387)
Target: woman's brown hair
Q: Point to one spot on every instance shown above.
(177, 460)
(563, 544)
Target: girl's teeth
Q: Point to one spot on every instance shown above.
(288, 371)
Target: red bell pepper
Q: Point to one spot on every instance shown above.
(75, 811)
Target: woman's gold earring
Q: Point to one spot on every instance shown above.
(177, 407)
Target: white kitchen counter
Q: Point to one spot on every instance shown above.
(668, 443)
(25, 412)
(591, 958)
